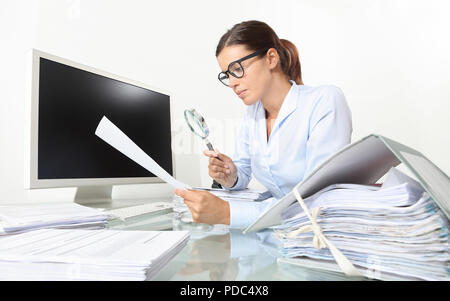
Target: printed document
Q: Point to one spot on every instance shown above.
(112, 135)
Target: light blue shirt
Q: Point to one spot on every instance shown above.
(313, 123)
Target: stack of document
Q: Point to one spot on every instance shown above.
(246, 195)
(21, 218)
(79, 254)
(386, 232)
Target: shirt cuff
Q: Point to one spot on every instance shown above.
(239, 184)
(243, 214)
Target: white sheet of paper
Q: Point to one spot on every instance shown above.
(438, 182)
(112, 135)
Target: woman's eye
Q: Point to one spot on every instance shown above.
(236, 70)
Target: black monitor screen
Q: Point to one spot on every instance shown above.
(71, 104)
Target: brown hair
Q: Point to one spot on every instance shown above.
(256, 35)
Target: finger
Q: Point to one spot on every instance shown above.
(215, 175)
(225, 171)
(217, 162)
(190, 205)
(216, 169)
(220, 169)
(180, 192)
(218, 176)
(211, 154)
(223, 157)
(190, 195)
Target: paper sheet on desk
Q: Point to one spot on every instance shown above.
(247, 195)
(112, 135)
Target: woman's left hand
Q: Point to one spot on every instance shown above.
(206, 208)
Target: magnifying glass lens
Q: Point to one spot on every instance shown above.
(196, 125)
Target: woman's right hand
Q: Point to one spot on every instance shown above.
(221, 168)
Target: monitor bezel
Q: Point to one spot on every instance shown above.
(32, 122)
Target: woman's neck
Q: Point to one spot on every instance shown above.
(275, 95)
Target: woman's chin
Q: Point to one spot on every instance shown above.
(249, 101)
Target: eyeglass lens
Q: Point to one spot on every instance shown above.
(235, 69)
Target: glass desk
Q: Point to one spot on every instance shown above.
(222, 254)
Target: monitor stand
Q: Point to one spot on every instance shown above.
(93, 194)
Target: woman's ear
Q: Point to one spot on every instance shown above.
(272, 58)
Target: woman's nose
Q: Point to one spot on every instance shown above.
(233, 81)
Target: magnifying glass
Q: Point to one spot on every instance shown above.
(198, 126)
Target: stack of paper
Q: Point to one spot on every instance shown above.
(387, 232)
(72, 254)
(20, 218)
(247, 195)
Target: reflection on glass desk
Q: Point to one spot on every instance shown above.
(219, 253)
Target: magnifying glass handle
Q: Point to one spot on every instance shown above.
(211, 148)
(209, 145)
(216, 185)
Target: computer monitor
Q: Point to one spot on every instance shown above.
(68, 101)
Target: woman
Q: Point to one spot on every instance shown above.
(287, 131)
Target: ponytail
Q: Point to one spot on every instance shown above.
(256, 35)
(291, 62)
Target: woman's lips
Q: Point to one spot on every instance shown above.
(241, 94)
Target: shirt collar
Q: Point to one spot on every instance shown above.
(288, 106)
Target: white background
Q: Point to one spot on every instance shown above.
(391, 59)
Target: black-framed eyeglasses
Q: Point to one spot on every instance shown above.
(235, 68)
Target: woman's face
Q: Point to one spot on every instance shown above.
(252, 86)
